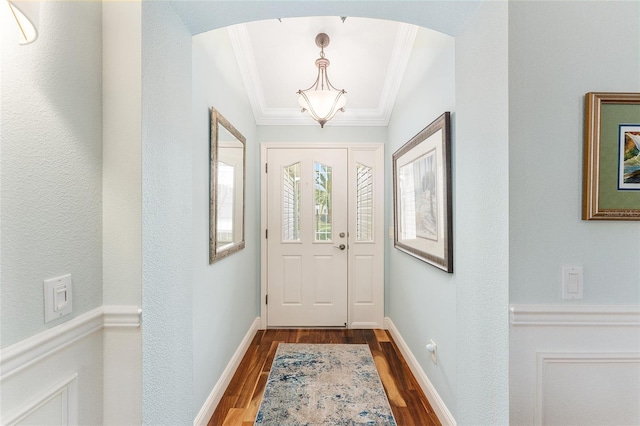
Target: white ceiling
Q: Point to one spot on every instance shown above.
(277, 58)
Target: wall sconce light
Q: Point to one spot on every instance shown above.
(322, 100)
(25, 15)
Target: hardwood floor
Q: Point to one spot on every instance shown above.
(241, 401)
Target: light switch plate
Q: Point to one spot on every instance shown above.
(572, 283)
(58, 300)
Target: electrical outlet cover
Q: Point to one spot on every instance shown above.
(433, 351)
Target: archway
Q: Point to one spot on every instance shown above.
(481, 288)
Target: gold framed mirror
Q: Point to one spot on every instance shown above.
(227, 188)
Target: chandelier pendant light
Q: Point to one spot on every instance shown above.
(25, 15)
(322, 100)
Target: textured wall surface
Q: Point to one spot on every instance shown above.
(482, 217)
(51, 192)
(546, 116)
(546, 144)
(421, 299)
(51, 166)
(226, 293)
(167, 188)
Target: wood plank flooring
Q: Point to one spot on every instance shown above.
(241, 401)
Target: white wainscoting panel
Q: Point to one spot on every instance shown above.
(574, 365)
(55, 406)
(122, 340)
(58, 374)
(22, 354)
(609, 381)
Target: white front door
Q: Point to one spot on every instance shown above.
(307, 237)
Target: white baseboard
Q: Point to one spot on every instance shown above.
(438, 405)
(205, 413)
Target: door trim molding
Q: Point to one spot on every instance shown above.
(264, 147)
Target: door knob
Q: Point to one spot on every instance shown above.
(341, 247)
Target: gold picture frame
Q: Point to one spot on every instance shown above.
(611, 180)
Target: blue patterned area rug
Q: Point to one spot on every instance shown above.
(324, 384)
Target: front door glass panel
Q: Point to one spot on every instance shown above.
(291, 203)
(322, 202)
(364, 203)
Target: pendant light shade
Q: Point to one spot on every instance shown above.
(322, 100)
(25, 14)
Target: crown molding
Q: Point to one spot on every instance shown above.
(269, 116)
(243, 50)
(405, 39)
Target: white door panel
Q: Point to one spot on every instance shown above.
(366, 240)
(307, 224)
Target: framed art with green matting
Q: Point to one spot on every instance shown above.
(611, 180)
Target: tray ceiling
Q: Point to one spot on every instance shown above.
(277, 58)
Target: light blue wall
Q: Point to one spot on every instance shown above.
(527, 215)
(464, 313)
(51, 150)
(482, 217)
(226, 293)
(167, 212)
(168, 196)
(582, 47)
(421, 299)
(327, 134)
(446, 16)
